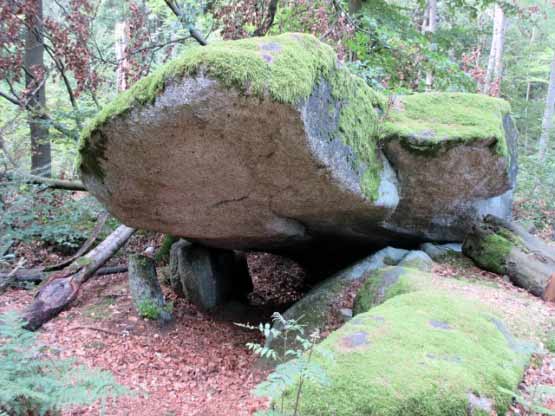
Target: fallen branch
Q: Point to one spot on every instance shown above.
(54, 183)
(10, 277)
(85, 247)
(62, 287)
(38, 276)
(507, 248)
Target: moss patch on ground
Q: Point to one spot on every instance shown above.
(420, 353)
(425, 122)
(286, 68)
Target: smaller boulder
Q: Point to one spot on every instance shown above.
(438, 251)
(145, 289)
(418, 260)
(208, 277)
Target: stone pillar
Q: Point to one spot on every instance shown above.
(208, 277)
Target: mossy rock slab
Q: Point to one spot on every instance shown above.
(455, 155)
(425, 353)
(254, 143)
(269, 143)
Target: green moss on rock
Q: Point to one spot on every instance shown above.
(420, 353)
(489, 252)
(387, 283)
(426, 122)
(286, 68)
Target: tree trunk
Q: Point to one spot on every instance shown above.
(122, 40)
(35, 74)
(63, 287)
(495, 61)
(506, 248)
(430, 27)
(547, 122)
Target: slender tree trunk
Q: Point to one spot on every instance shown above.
(528, 89)
(495, 61)
(498, 68)
(547, 122)
(122, 40)
(41, 158)
(430, 27)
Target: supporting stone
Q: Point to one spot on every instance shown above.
(145, 289)
(208, 277)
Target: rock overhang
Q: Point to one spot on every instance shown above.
(340, 124)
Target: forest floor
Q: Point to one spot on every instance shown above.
(199, 365)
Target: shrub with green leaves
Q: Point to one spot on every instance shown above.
(34, 382)
(296, 365)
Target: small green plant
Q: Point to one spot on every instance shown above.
(550, 344)
(34, 383)
(534, 403)
(296, 365)
(149, 309)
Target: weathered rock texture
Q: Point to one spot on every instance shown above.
(268, 143)
(507, 248)
(208, 277)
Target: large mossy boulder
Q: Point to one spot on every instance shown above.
(418, 350)
(270, 143)
(455, 158)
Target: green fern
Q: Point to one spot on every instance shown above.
(35, 383)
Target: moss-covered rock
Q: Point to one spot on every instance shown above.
(423, 353)
(269, 142)
(427, 122)
(386, 283)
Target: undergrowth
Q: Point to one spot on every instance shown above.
(34, 382)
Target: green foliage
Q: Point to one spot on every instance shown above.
(149, 309)
(296, 365)
(550, 344)
(36, 383)
(30, 212)
(392, 52)
(535, 190)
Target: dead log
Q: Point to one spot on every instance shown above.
(39, 275)
(507, 248)
(52, 183)
(62, 287)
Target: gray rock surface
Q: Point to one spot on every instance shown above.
(437, 251)
(208, 277)
(417, 260)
